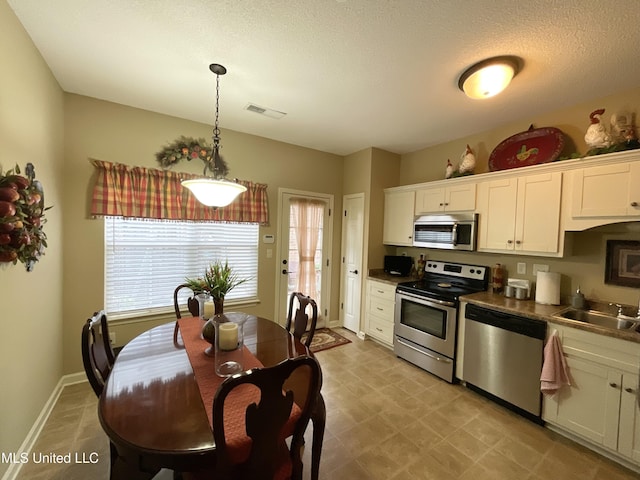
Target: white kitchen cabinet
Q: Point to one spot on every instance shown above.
(380, 310)
(601, 405)
(398, 217)
(456, 198)
(520, 214)
(607, 191)
(629, 434)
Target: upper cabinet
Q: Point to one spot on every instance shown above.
(607, 191)
(398, 217)
(520, 214)
(525, 210)
(456, 198)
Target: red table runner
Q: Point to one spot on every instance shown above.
(208, 382)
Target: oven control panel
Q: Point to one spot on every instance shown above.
(456, 269)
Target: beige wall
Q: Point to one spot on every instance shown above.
(385, 173)
(31, 120)
(117, 133)
(429, 164)
(584, 264)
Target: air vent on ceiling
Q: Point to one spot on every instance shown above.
(267, 112)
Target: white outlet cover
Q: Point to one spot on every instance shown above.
(522, 268)
(540, 268)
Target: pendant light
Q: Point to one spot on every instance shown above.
(488, 77)
(214, 190)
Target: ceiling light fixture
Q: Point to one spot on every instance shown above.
(214, 190)
(489, 77)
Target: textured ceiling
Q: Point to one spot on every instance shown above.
(350, 74)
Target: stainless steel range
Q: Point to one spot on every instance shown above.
(426, 314)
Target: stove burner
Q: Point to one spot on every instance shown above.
(448, 281)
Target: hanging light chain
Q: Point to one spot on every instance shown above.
(216, 130)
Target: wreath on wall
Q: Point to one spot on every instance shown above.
(22, 237)
(187, 148)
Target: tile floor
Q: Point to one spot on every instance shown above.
(387, 420)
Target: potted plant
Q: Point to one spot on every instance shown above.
(219, 278)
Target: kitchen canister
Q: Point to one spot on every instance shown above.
(548, 288)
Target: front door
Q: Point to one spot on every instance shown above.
(304, 249)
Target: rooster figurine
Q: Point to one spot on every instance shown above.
(597, 135)
(468, 162)
(449, 170)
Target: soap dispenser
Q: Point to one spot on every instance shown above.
(577, 300)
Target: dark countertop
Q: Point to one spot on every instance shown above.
(531, 309)
(381, 276)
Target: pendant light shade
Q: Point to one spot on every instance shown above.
(215, 190)
(489, 77)
(212, 192)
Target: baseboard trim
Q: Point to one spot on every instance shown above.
(36, 429)
(586, 443)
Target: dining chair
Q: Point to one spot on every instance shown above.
(98, 359)
(276, 406)
(192, 306)
(97, 355)
(298, 320)
(297, 323)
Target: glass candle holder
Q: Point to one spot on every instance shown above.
(202, 301)
(229, 343)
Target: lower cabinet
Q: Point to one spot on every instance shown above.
(601, 405)
(379, 311)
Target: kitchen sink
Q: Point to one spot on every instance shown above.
(598, 318)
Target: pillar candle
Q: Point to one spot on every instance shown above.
(228, 336)
(208, 309)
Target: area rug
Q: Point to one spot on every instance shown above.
(325, 338)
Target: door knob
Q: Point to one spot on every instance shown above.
(629, 390)
(613, 384)
(284, 271)
(355, 272)
(634, 204)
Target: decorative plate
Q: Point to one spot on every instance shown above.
(536, 145)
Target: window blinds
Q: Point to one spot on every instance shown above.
(145, 260)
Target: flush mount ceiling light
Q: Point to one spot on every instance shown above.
(214, 190)
(489, 77)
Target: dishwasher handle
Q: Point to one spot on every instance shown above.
(506, 321)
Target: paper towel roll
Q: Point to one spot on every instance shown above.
(548, 288)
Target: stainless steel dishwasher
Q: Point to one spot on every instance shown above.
(503, 358)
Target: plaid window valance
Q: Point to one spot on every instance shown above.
(126, 191)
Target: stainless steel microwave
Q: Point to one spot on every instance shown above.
(449, 232)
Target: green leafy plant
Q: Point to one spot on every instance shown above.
(219, 278)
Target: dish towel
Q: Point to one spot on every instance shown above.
(554, 370)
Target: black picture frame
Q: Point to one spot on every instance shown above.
(623, 263)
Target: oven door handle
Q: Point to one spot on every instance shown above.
(426, 300)
(435, 357)
(454, 234)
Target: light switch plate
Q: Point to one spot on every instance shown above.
(522, 268)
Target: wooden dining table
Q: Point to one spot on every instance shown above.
(152, 409)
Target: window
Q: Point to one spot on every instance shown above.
(145, 260)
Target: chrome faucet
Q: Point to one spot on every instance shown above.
(622, 315)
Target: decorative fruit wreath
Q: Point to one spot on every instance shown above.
(184, 148)
(21, 217)
(187, 148)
